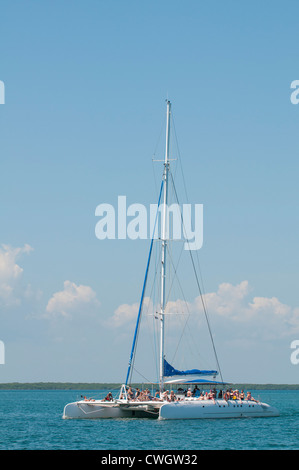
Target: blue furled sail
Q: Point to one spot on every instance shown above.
(169, 371)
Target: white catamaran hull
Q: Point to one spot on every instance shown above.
(198, 409)
(117, 409)
(193, 409)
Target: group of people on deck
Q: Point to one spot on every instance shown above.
(229, 394)
(145, 395)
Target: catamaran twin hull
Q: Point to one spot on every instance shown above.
(185, 409)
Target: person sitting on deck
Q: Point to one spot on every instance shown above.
(211, 395)
(249, 397)
(141, 396)
(109, 397)
(130, 394)
(172, 396)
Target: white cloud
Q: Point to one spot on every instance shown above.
(72, 300)
(227, 301)
(265, 304)
(233, 308)
(266, 316)
(294, 320)
(126, 314)
(11, 273)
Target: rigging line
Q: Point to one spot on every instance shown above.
(156, 325)
(180, 159)
(154, 154)
(175, 273)
(206, 315)
(153, 340)
(185, 324)
(132, 356)
(139, 373)
(139, 316)
(187, 198)
(185, 188)
(159, 138)
(179, 283)
(200, 290)
(175, 268)
(155, 179)
(188, 316)
(184, 321)
(200, 273)
(175, 159)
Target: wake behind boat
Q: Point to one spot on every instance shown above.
(164, 404)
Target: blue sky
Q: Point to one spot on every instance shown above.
(85, 88)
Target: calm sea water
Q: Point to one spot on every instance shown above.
(32, 420)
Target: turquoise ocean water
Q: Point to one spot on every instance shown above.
(32, 420)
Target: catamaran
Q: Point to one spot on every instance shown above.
(162, 405)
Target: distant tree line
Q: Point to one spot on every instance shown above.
(115, 386)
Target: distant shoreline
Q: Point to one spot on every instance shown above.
(113, 386)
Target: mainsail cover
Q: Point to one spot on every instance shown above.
(169, 371)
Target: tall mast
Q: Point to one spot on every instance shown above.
(164, 243)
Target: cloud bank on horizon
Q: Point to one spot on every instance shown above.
(235, 304)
